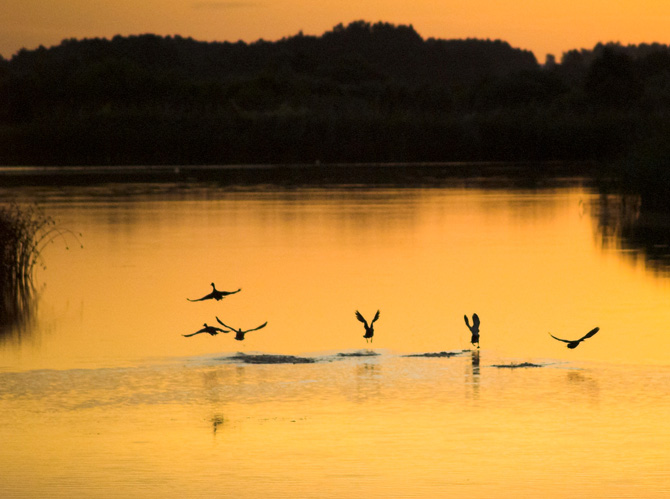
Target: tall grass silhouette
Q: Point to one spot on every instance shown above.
(25, 231)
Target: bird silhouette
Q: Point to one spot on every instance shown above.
(213, 330)
(369, 329)
(575, 343)
(216, 294)
(239, 333)
(474, 329)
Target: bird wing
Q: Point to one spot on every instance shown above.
(475, 321)
(256, 328)
(590, 333)
(219, 321)
(206, 297)
(226, 293)
(193, 334)
(361, 318)
(559, 339)
(467, 322)
(375, 318)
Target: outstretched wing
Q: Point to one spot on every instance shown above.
(590, 333)
(559, 339)
(256, 328)
(375, 318)
(475, 321)
(206, 297)
(193, 334)
(467, 322)
(361, 318)
(226, 293)
(224, 325)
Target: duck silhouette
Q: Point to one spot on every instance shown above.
(213, 330)
(216, 294)
(239, 333)
(575, 343)
(474, 329)
(369, 329)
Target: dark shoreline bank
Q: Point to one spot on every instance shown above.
(301, 173)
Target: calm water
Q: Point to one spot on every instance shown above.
(102, 396)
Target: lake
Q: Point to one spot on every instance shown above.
(101, 395)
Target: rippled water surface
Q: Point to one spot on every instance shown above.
(102, 396)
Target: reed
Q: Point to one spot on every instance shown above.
(25, 231)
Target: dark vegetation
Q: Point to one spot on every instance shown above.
(438, 354)
(360, 93)
(516, 366)
(271, 359)
(24, 233)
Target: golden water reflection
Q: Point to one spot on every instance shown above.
(392, 427)
(108, 399)
(528, 262)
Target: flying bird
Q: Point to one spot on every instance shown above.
(575, 343)
(474, 329)
(239, 333)
(216, 294)
(212, 330)
(369, 329)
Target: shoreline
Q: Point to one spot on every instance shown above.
(301, 173)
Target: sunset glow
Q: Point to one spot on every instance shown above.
(541, 27)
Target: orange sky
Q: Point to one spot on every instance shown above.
(540, 26)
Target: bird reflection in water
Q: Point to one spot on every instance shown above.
(475, 362)
(472, 374)
(217, 420)
(368, 380)
(584, 385)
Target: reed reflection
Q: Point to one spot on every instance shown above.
(18, 309)
(635, 225)
(25, 231)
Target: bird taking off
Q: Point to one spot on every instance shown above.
(213, 330)
(239, 333)
(216, 294)
(474, 329)
(575, 343)
(369, 329)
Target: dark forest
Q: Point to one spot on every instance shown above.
(358, 93)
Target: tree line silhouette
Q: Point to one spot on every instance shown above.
(358, 93)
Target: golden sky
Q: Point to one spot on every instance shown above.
(540, 26)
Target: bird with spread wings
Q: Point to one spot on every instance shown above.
(369, 329)
(239, 333)
(216, 294)
(575, 343)
(211, 330)
(474, 329)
